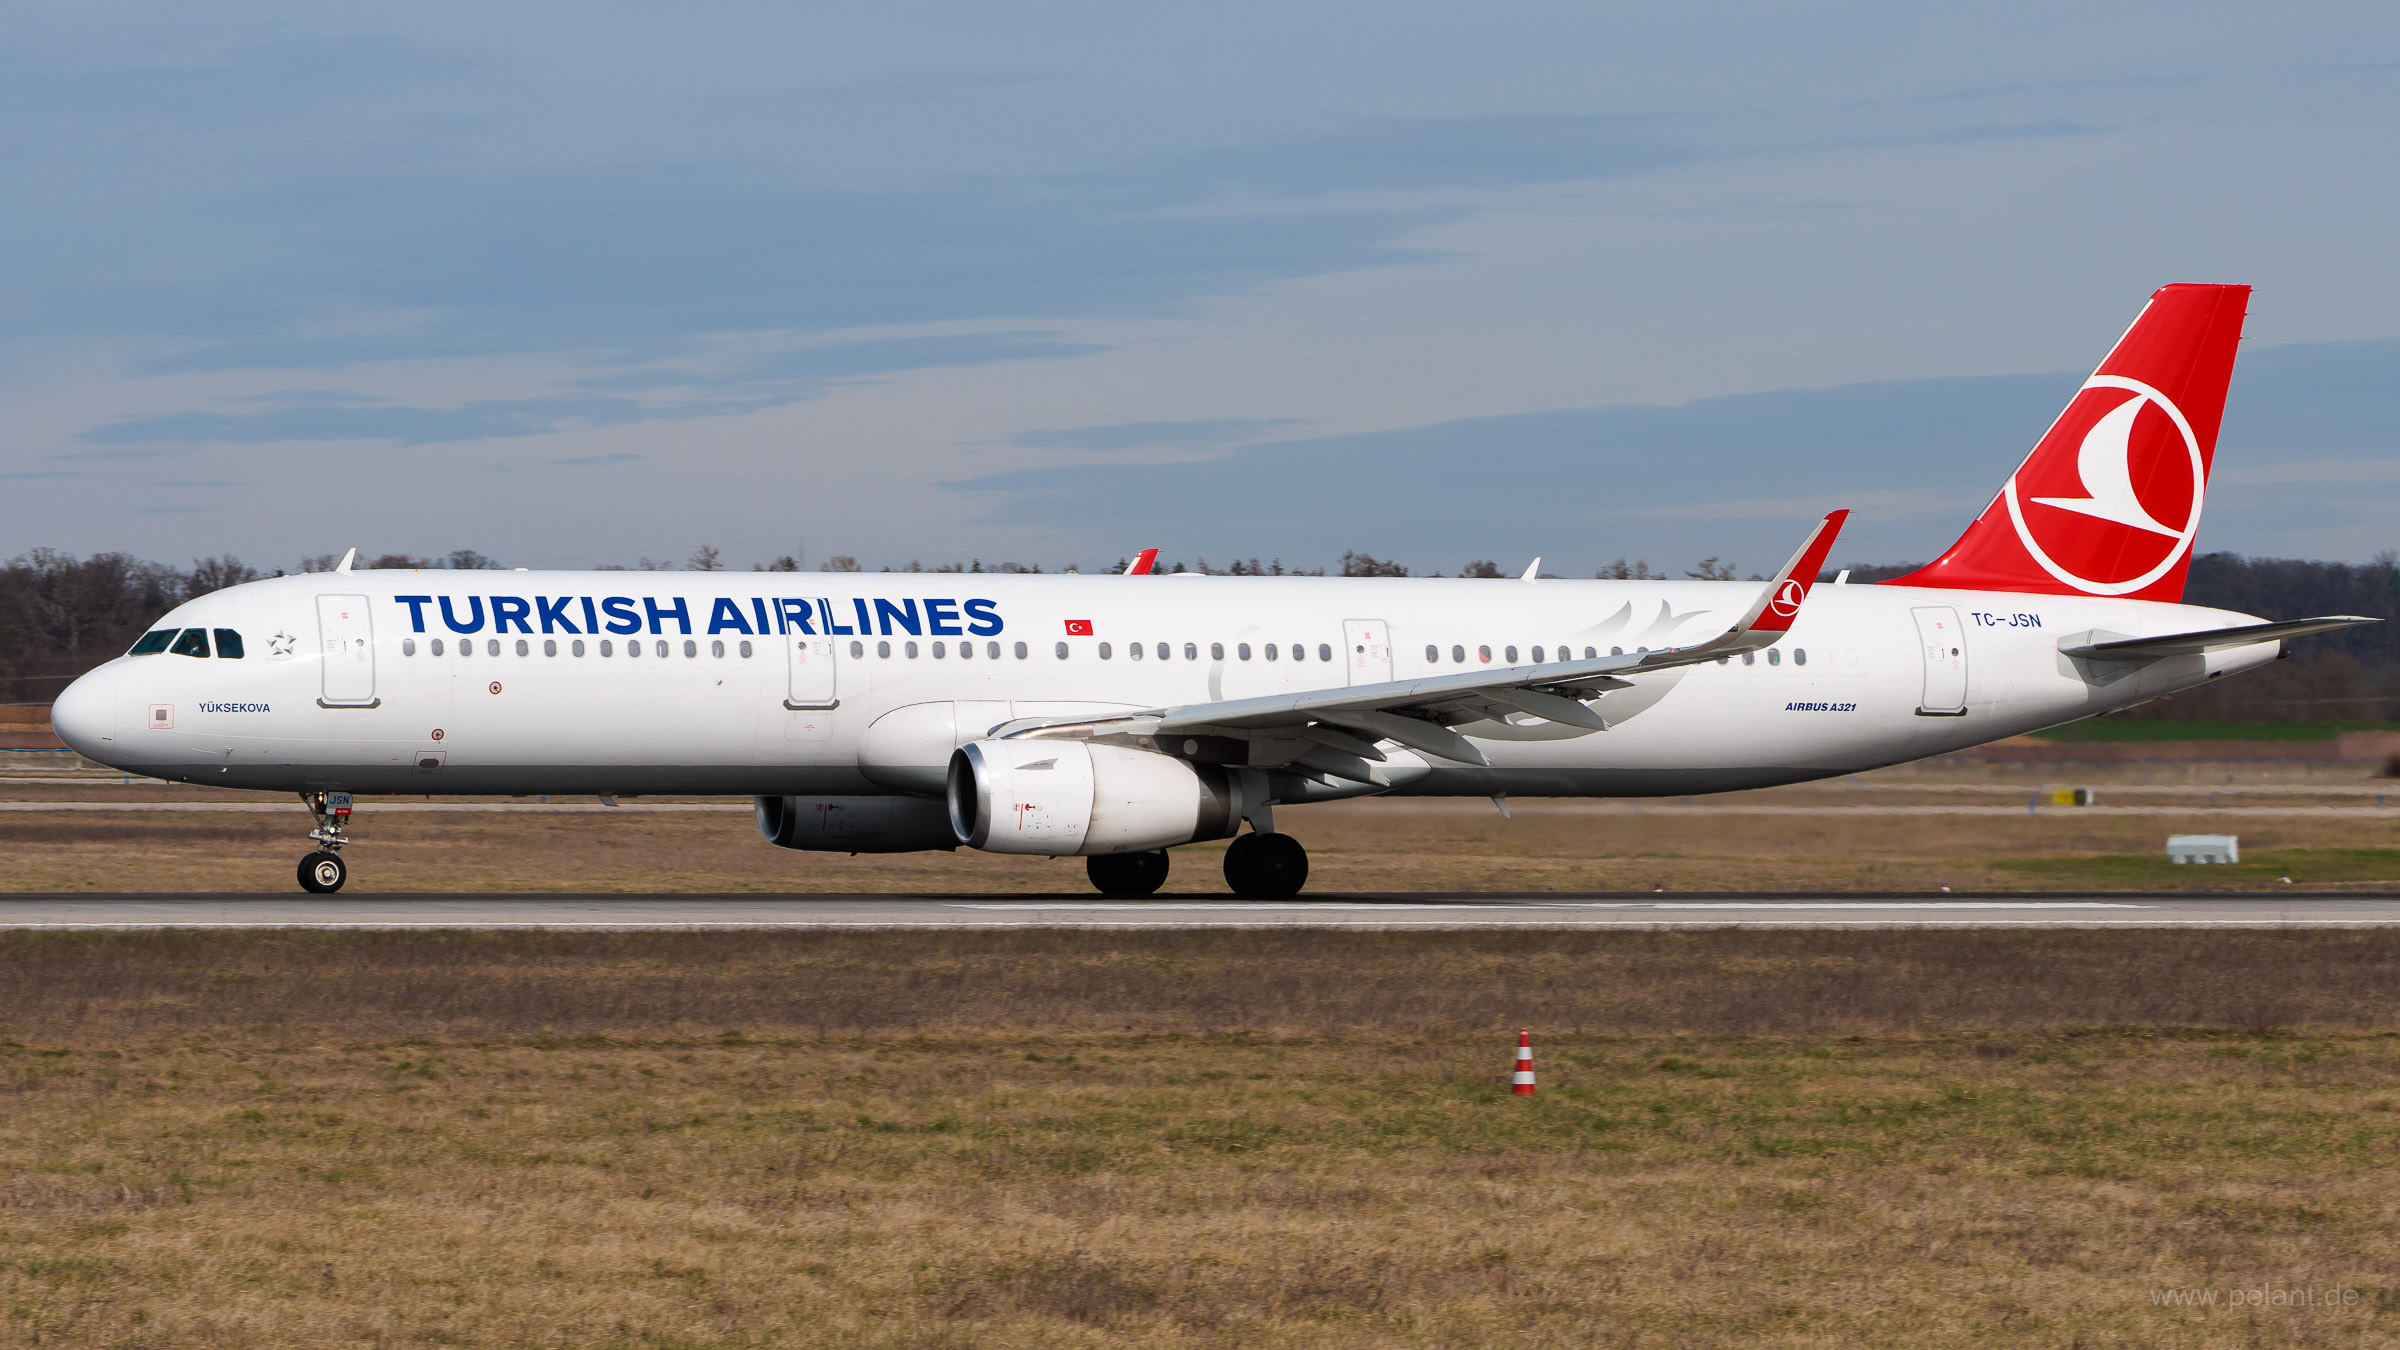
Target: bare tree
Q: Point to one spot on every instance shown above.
(1711, 570)
(1484, 568)
(841, 562)
(705, 559)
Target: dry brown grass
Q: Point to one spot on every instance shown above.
(1083, 1139)
(1360, 846)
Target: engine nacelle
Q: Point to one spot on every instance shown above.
(856, 824)
(1061, 797)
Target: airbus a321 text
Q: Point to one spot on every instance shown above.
(1114, 718)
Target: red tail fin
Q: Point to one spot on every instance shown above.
(2109, 501)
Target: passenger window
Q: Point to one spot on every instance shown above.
(940, 650)
(1774, 656)
(153, 642)
(717, 648)
(1242, 650)
(229, 645)
(745, 649)
(1270, 651)
(1134, 650)
(1484, 654)
(1591, 653)
(884, 650)
(1616, 651)
(1432, 653)
(633, 648)
(408, 646)
(1324, 651)
(1799, 656)
(435, 647)
(1216, 651)
(1458, 654)
(1105, 651)
(991, 651)
(193, 642)
(607, 648)
(549, 646)
(1509, 654)
(491, 646)
(690, 648)
(909, 649)
(1537, 656)
(466, 649)
(1021, 652)
(576, 646)
(1163, 652)
(858, 651)
(524, 648)
(1749, 658)
(1062, 651)
(1191, 651)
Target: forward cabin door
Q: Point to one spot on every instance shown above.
(811, 680)
(1369, 644)
(346, 637)
(1944, 644)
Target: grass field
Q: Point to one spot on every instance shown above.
(2100, 729)
(1218, 1139)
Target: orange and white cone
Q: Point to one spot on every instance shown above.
(1521, 1083)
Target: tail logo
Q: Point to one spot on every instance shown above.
(2125, 475)
(1787, 598)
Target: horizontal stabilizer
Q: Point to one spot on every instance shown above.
(2211, 639)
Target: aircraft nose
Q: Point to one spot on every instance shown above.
(85, 715)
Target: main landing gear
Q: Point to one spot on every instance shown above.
(323, 872)
(1258, 866)
(1266, 866)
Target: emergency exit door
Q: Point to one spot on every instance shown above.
(1369, 645)
(346, 646)
(811, 662)
(1944, 645)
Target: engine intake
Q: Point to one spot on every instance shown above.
(855, 824)
(1060, 797)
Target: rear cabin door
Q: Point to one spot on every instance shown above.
(811, 662)
(1370, 648)
(346, 637)
(1944, 645)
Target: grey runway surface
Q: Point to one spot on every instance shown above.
(1497, 910)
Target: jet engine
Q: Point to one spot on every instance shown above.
(855, 824)
(1062, 797)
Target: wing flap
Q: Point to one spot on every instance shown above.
(2210, 639)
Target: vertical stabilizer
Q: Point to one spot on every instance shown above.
(2109, 501)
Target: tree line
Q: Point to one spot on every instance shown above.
(60, 615)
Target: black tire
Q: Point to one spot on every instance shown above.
(1127, 875)
(1266, 866)
(323, 873)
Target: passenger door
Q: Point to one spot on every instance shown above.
(811, 681)
(346, 641)
(1369, 645)
(1944, 644)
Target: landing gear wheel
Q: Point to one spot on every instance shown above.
(323, 873)
(1127, 875)
(1266, 866)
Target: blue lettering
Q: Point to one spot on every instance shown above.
(825, 614)
(508, 609)
(865, 625)
(986, 616)
(794, 616)
(659, 614)
(622, 619)
(554, 614)
(416, 609)
(904, 613)
(759, 607)
(474, 622)
(726, 617)
(591, 621)
(941, 618)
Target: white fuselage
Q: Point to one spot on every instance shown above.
(341, 686)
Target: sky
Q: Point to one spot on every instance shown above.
(578, 285)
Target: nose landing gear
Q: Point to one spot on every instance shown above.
(323, 872)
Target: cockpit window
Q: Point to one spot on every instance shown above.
(153, 642)
(194, 642)
(229, 644)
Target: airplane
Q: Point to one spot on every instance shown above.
(1100, 717)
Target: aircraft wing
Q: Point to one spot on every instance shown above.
(2211, 639)
(1347, 721)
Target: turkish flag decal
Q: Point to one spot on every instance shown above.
(1079, 628)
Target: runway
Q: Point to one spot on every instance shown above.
(1544, 910)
